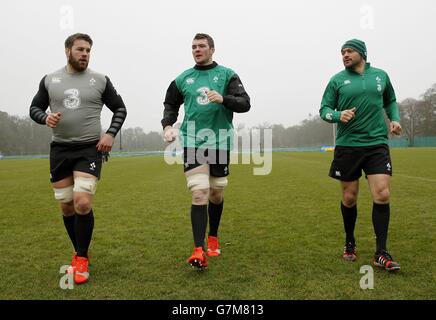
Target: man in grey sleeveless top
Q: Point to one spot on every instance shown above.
(75, 95)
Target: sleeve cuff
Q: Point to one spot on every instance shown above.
(337, 116)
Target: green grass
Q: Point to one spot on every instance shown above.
(281, 234)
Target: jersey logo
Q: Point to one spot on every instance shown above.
(347, 82)
(92, 166)
(329, 116)
(56, 80)
(73, 100)
(92, 81)
(379, 87)
(190, 80)
(215, 79)
(203, 99)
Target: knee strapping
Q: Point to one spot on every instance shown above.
(64, 195)
(198, 181)
(87, 185)
(218, 182)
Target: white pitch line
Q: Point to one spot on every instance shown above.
(415, 177)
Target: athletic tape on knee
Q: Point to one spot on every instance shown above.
(198, 181)
(64, 195)
(218, 182)
(88, 185)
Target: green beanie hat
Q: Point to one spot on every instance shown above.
(357, 45)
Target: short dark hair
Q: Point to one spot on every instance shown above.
(210, 42)
(77, 36)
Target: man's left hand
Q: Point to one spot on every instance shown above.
(395, 128)
(214, 96)
(106, 142)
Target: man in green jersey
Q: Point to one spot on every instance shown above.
(211, 94)
(356, 99)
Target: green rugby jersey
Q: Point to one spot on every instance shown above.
(372, 94)
(203, 119)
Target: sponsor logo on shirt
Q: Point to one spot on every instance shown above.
(56, 80)
(202, 98)
(347, 82)
(72, 101)
(190, 80)
(215, 79)
(92, 81)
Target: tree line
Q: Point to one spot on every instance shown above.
(22, 136)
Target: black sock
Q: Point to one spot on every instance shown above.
(215, 211)
(69, 223)
(84, 225)
(199, 223)
(380, 221)
(349, 215)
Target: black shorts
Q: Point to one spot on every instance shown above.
(349, 162)
(66, 158)
(218, 160)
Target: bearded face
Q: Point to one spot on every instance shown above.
(78, 64)
(78, 55)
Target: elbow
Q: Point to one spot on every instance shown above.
(239, 108)
(237, 105)
(245, 108)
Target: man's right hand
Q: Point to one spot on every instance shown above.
(347, 115)
(169, 134)
(53, 119)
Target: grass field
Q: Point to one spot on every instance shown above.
(281, 234)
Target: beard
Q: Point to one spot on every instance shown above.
(76, 64)
(354, 64)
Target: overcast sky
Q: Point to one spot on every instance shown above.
(284, 51)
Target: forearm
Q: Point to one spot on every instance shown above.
(115, 103)
(170, 115)
(392, 111)
(39, 105)
(118, 119)
(38, 114)
(173, 100)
